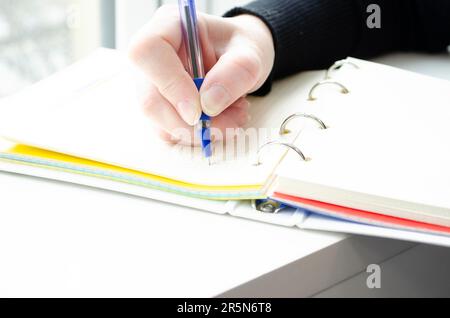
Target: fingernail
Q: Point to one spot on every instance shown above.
(215, 99)
(189, 112)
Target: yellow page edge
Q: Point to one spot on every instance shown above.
(31, 156)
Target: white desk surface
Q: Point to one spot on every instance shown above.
(64, 240)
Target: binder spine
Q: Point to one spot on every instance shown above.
(270, 206)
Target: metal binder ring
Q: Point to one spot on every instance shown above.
(268, 206)
(337, 65)
(280, 143)
(344, 89)
(284, 130)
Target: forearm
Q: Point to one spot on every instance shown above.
(312, 34)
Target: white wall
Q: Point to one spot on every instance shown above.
(83, 20)
(214, 6)
(220, 7)
(130, 16)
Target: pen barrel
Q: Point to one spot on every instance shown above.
(205, 126)
(206, 137)
(191, 38)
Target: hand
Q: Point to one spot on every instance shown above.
(238, 55)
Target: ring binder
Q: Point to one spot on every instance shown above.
(285, 131)
(280, 143)
(337, 65)
(344, 89)
(268, 206)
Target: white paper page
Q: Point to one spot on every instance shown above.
(387, 149)
(91, 111)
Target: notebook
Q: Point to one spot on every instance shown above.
(88, 120)
(388, 150)
(383, 152)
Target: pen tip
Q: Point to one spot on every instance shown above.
(209, 161)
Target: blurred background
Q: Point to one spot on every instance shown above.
(37, 38)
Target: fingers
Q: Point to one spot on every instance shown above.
(164, 116)
(235, 116)
(235, 74)
(173, 129)
(155, 50)
(172, 100)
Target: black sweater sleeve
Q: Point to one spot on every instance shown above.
(312, 34)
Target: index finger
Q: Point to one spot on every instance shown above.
(155, 50)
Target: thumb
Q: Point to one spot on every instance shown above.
(235, 74)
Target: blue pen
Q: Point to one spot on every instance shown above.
(196, 68)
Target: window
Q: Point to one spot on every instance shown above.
(39, 37)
